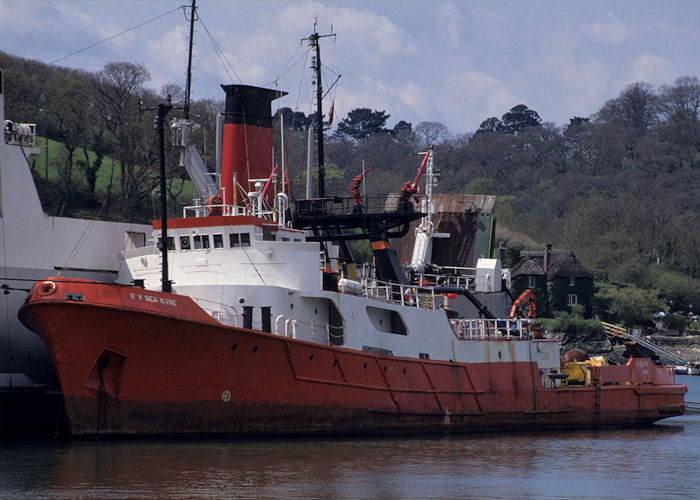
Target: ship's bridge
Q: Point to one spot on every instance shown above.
(221, 249)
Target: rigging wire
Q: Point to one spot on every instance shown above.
(287, 67)
(115, 36)
(332, 87)
(220, 53)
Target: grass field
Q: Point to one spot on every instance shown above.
(48, 171)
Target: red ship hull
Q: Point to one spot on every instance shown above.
(136, 362)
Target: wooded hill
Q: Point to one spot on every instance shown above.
(619, 187)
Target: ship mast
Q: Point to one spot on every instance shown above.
(163, 110)
(316, 66)
(188, 83)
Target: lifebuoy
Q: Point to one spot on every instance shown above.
(409, 297)
(46, 288)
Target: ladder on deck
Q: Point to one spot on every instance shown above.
(621, 332)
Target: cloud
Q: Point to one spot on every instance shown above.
(612, 32)
(471, 97)
(168, 56)
(651, 68)
(449, 21)
(368, 34)
(413, 96)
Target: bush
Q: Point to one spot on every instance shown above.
(633, 271)
(600, 306)
(634, 306)
(675, 322)
(571, 325)
(674, 286)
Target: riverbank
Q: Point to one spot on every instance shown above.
(617, 350)
(688, 346)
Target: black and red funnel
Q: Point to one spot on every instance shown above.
(246, 151)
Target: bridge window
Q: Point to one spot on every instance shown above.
(185, 243)
(239, 239)
(171, 243)
(218, 241)
(201, 241)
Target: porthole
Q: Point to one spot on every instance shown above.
(234, 347)
(184, 242)
(364, 366)
(255, 348)
(311, 357)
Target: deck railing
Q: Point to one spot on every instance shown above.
(479, 329)
(400, 294)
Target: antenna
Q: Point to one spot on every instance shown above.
(316, 66)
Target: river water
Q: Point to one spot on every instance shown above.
(656, 462)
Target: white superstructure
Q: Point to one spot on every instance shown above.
(249, 272)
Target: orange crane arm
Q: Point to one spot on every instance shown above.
(408, 189)
(527, 297)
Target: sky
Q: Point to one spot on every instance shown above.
(453, 62)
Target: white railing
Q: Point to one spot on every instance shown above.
(286, 326)
(201, 210)
(453, 280)
(396, 293)
(315, 331)
(471, 329)
(224, 313)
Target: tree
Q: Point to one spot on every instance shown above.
(492, 124)
(480, 185)
(294, 120)
(175, 91)
(433, 133)
(634, 306)
(635, 107)
(402, 128)
(518, 118)
(68, 103)
(23, 95)
(680, 101)
(577, 121)
(362, 123)
(98, 144)
(117, 92)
